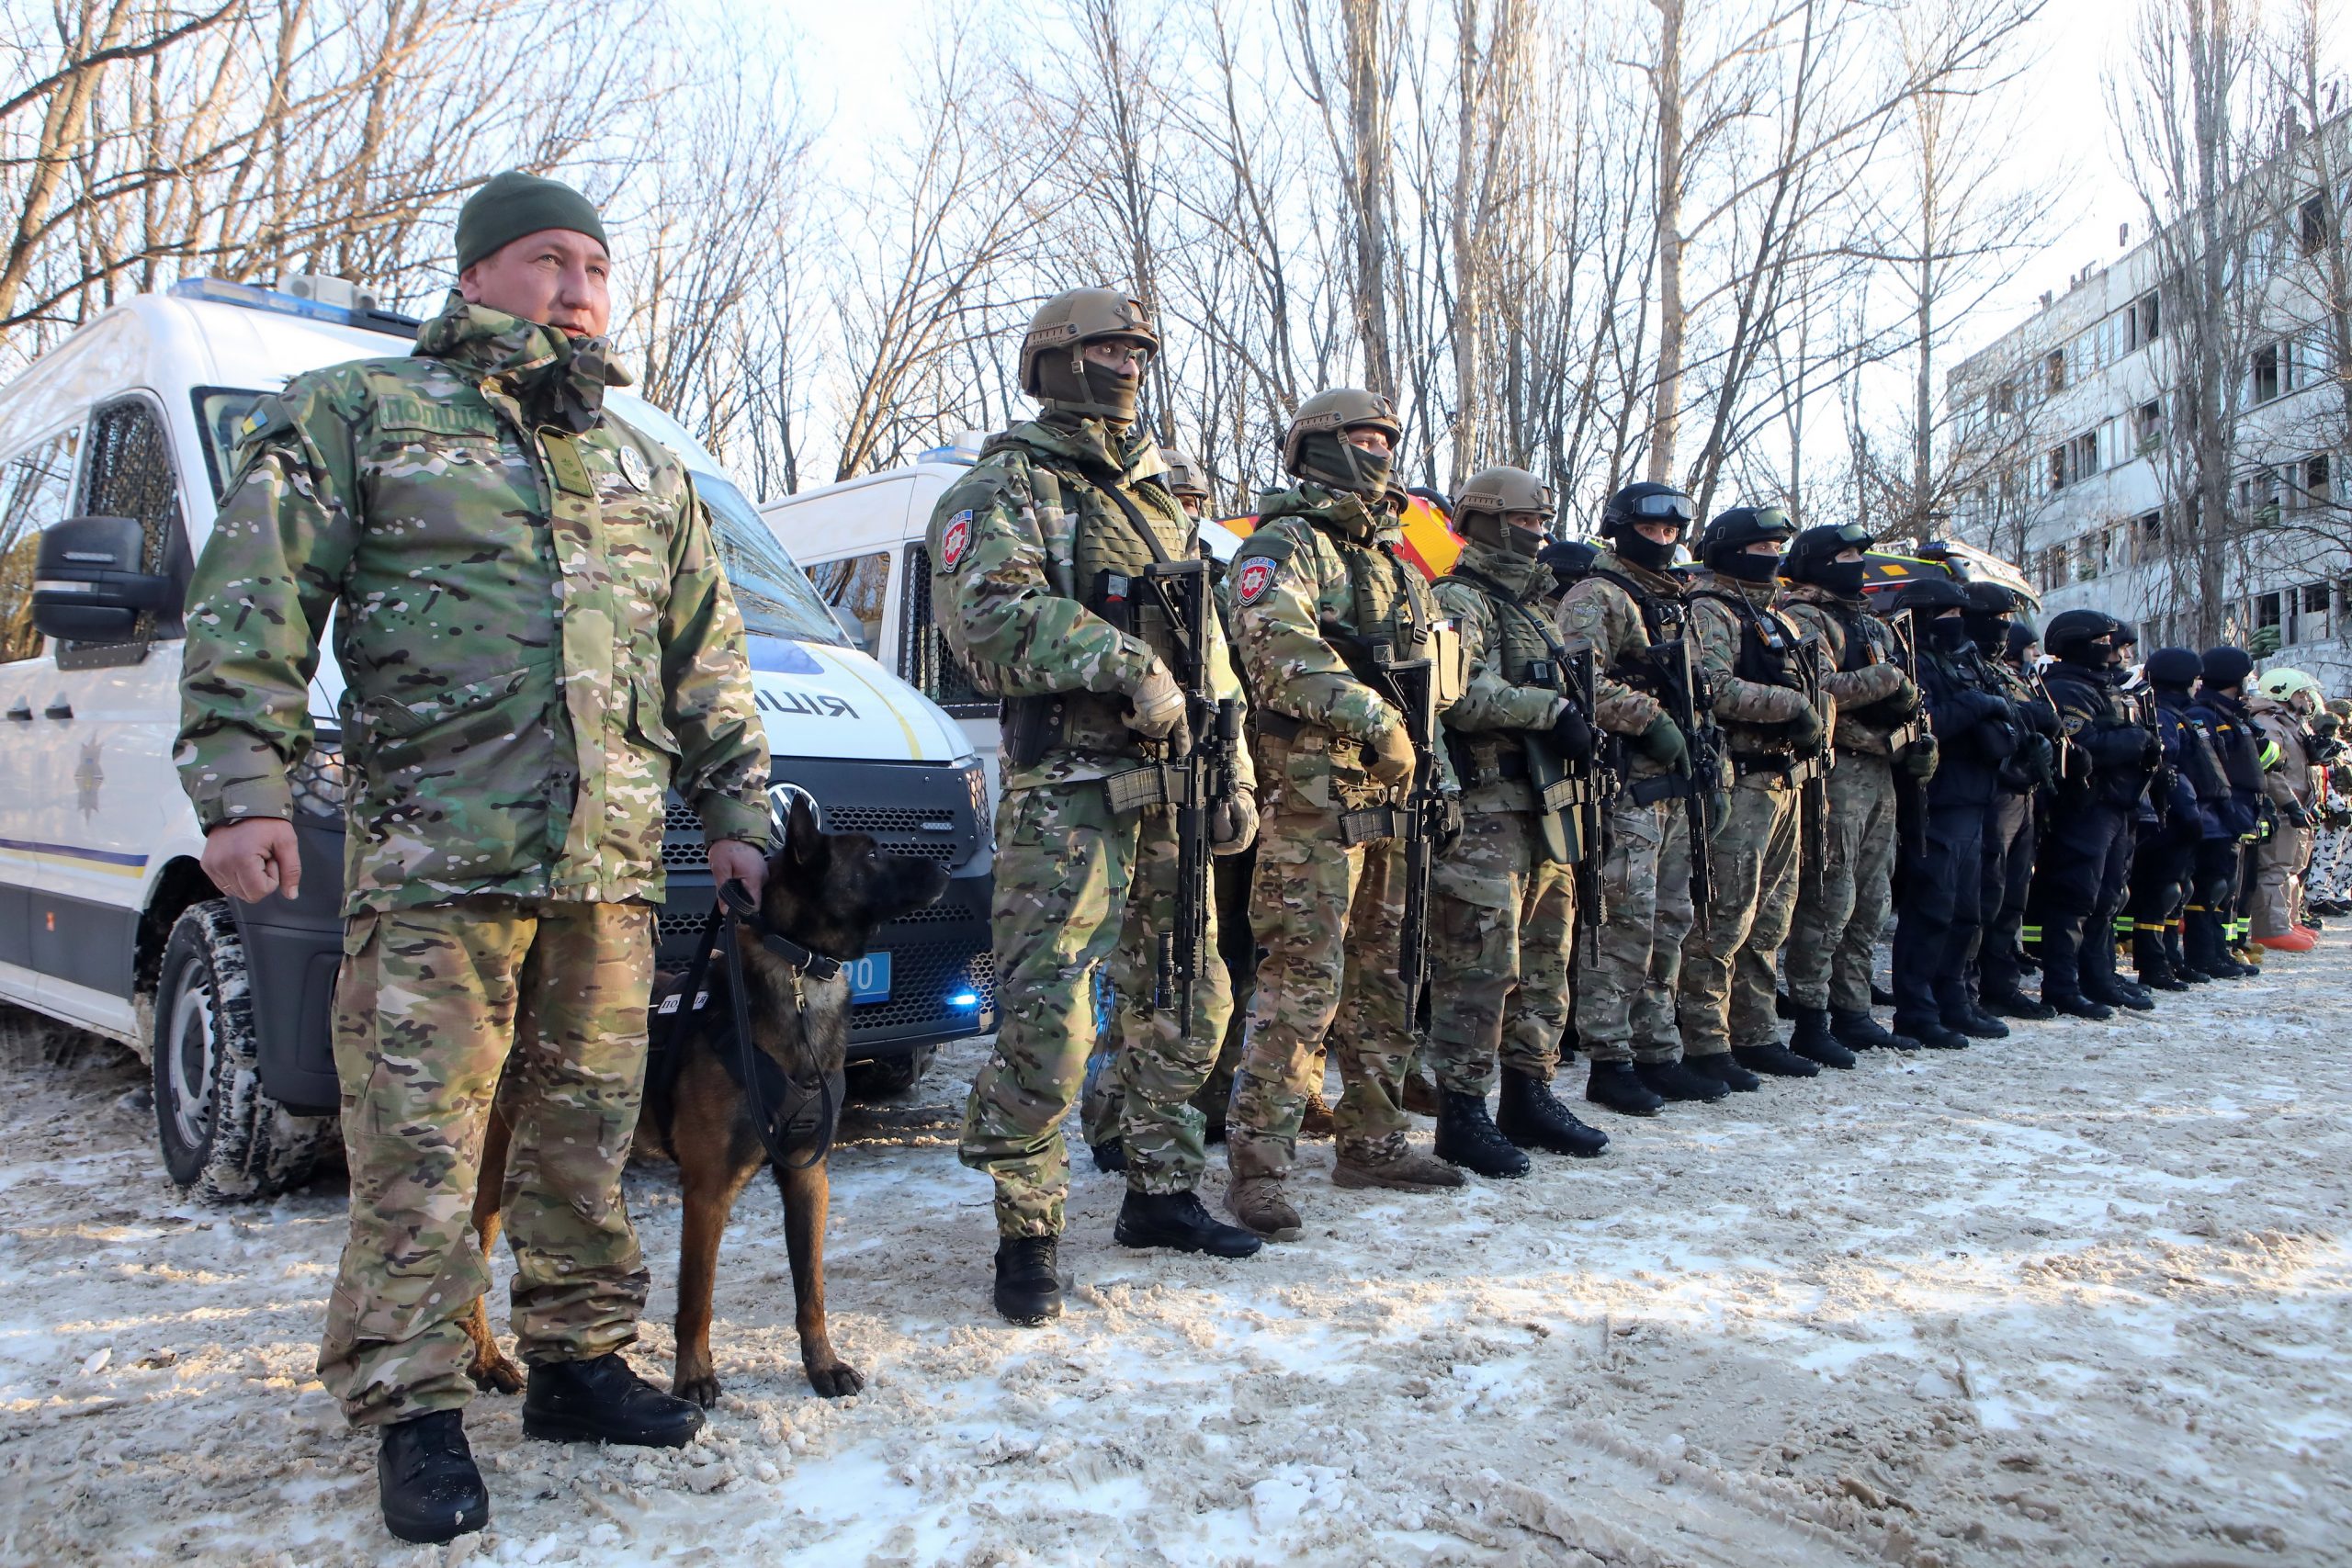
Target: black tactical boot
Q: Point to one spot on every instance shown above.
(1177, 1221)
(1028, 1291)
(426, 1476)
(1860, 1031)
(1879, 995)
(1530, 1116)
(2113, 992)
(1466, 1137)
(1724, 1066)
(1109, 1157)
(2015, 1004)
(1777, 1060)
(1615, 1086)
(1675, 1081)
(1965, 1017)
(2078, 1006)
(1814, 1042)
(1930, 1032)
(2154, 965)
(604, 1401)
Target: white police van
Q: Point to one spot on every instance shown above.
(114, 448)
(862, 541)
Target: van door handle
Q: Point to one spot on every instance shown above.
(21, 710)
(61, 708)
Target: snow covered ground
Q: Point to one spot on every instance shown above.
(2079, 1297)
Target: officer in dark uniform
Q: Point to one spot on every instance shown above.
(2032, 769)
(2010, 945)
(2210, 917)
(2162, 881)
(2078, 887)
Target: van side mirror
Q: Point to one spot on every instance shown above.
(87, 582)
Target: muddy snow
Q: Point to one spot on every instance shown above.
(2082, 1296)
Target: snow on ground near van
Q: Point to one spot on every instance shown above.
(2079, 1297)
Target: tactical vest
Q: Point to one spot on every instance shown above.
(1663, 621)
(1867, 640)
(1527, 654)
(1767, 642)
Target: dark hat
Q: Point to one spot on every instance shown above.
(2227, 667)
(2022, 637)
(2077, 634)
(1931, 596)
(2175, 667)
(514, 204)
(1570, 560)
(1990, 599)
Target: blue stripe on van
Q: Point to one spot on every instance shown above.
(104, 857)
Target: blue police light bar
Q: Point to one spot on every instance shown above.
(964, 999)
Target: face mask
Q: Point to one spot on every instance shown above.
(1949, 633)
(1525, 543)
(1843, 577)
(1096, 391)
(1750, 567)
(1328, 459)
(1645, 553)
(569, 390)
(1991, 633)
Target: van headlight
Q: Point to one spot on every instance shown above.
(976, 785)
(318, 779)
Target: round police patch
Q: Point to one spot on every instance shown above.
(954, 537)
(632, 465)
(1252, 578)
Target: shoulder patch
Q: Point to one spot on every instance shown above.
(1275, 546)
(1253, 575)
(632, 467)
(954, 538)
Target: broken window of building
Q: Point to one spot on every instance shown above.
(2142, 322)
(2054, 370)
(2266, 378)
(2311, 224)
(2148, 426)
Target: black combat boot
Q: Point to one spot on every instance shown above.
(2015, 1004)
(1722, 1065)
(1675, 1081)
(1963, 1016)
(1879, 995)
(1930, 1032)
(1775, 1060)
(1814, 1041)
(604, 1401)
(1176, 1221)
(1530, 1116)
(1861, 1032)
(2154, 965)
(1467, 1136)
(2113, 991)
(426, 1476)
(2078, 1006)
(1615, 1086)
(1028, 1291)
(1109, 1157)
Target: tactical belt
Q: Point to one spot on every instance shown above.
(1154, 783)
(1364, 826)
(1786, 773)
(1657, 787)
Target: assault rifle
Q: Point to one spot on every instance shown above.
(1684, 688)
(1199, 773)
(1603, 779)
(1910, 793)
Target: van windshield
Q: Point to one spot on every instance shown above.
(770, 590)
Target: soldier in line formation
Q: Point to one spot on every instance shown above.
(1606, 801)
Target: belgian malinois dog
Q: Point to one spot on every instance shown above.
(826, 892)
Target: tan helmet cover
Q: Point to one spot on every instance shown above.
(1075, 316)
(1184, 475)
(1503, 490)
(1342, 408)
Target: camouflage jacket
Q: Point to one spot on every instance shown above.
(1290, 581)
(1599, 615)
(1004, 588)
(1874, 676)
(1490, 701)
(535, 632)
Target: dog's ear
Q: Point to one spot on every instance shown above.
(802, 837)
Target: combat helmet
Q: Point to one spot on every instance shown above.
(1647, 502)
(1571, 562)
(1054, 372)
(1812, 557)
(1316, 447)
(1488, 500)
(1723, 546)
(2084, 637)
(1186, 479)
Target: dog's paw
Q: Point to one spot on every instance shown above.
(494, 1373)
(837, 1381)
(703, 1388)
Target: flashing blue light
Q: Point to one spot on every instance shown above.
(964, 999)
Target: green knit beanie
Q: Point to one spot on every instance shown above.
(515, 204)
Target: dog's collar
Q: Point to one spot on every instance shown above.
(808, 960)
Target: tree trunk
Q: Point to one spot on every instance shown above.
(1666, 392)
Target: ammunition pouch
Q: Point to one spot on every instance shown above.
(1657, 787)
(1362, 827)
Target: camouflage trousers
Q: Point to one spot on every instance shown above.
(426, 1020)
(1626, 975)
(1330, 919)
(1844, 892)
(1728, 961)
(1077, 885)
(1501, 919)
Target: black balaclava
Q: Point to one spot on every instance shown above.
(1949, 633)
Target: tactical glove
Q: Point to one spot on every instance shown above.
(1802, 731)
(2152, 750)
(1234, 825)
(1903, 701)
(1919, 758)
(1157, 706)
(1663, 742)
(1571, 736)
(1392, 760)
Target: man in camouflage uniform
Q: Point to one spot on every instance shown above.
(539, 643)
(1316, 585)
(1844, 885)
(1039, 559)
(1625, 610)
(1774, 731)
(1503, 911)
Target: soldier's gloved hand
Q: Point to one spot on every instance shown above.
(1663, 742)
(1157, 706)
(1392, 760)
(1803, 730)
(1571, 736)
(1918, 758)
(2151, 749)
(1234, 825)
(1903, 701)
(1449, 825)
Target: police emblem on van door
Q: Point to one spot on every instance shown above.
(1252, 578)
(952, 540)
(632, 465)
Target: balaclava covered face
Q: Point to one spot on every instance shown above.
(1328, 458)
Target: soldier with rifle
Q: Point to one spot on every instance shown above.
(1068, 579)
(1845, 879)
(1506, 897)
(2029, 770)
(1629, 614)
(1340, 640)
(2002, 958)
(1765, 680)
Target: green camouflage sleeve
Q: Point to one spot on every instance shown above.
(1852, 688)
(1488, 700)
(1599, 616)
(1277, 596)
(1224, 678)
(280, 545)
(707, 691)
(985, 536)
(1716, 626)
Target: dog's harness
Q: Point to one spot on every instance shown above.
(764, 1083)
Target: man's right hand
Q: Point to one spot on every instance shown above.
(1664, 743)
(1392, 760)
(1155, 706)
(252, 859)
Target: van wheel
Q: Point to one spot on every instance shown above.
(222, 1138)
(891, 1076)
